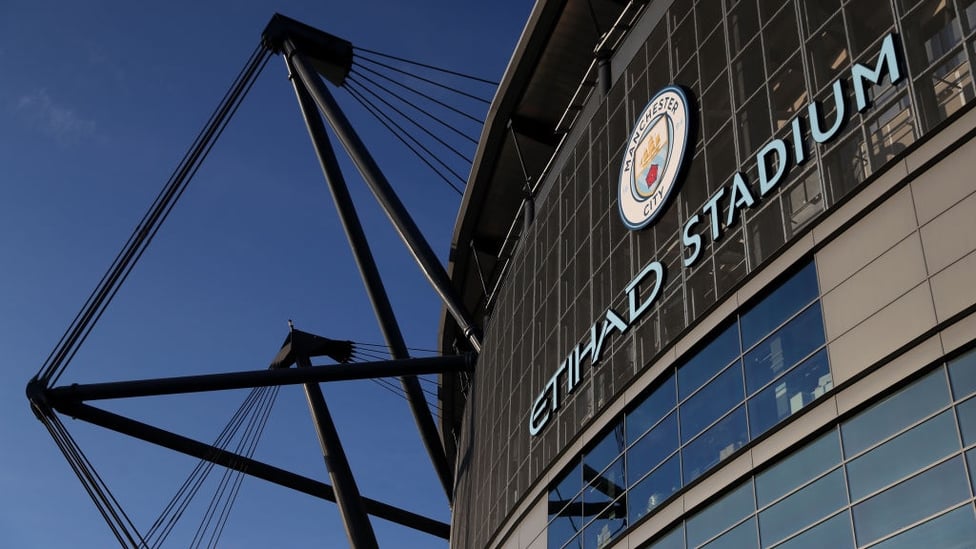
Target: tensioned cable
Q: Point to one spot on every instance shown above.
(434, 136)
(415, 91)
(387, 347)
(359, 88)
(425, 65)
(110, 283)
(378, 116)
(405, 133)
(354, 78)
(427, 80)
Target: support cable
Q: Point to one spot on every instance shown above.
(414, 91)
(426, 66)
(379, 117)
(427, 80)
(111, 281)
(434, 136)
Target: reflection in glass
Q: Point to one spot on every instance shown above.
(654, 489)
(781, 304)
(743, 535)
(651, 410)
(715, 444)
(718, 516)
(603, 487)
(834, 533)
(790, 394)
(894, 413)
(610, 522)
(802, 508)
(780, 351)
(962, 374)
(799, 467)
(605, 451)
(709, 361)
(675, 539)
(909, 451)
(967, 421)
(912, 500)
(712, 402)
(565, 522)
(955, 529)
(652, 449)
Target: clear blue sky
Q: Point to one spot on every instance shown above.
(98, 102)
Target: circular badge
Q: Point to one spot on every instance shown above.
(653, 159)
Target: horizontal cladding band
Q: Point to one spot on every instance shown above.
(773, 164)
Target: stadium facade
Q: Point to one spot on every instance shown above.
(723, 254)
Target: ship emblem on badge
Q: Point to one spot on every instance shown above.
(654, 158)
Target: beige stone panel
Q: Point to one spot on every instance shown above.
(951, 235)
(511, 543)
(954, 288)
(881, 334)
(870, 237)
(959, 334)
(872, 288)
(656, 524)
(822, 414)
(769, 273)
(940, 141)
(534, 525)
(724, 476)
(891, 373)
(862, 199)
(945, 184)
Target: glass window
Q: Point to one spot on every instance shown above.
(952, 530)
(649, 451)
(804, 464)
(914, 499)
(715, 444)
(967, 421)
(827, 50)
(790, 394)
(944, 89)
(867, 22)
(718, 516)
(802, 508)
(834, 533)
(709, 361)
(655, 406)
(654, 489)
(610, 522)
(565, 523)
(712, 402)
(971, 460)
(604, 452)
(743, 535)
(568, 486)
(816, 13)
(895, 413)
(934, 30)
(784, 348)
(962, 375)
(781, 41)
(675, 539)
(603, 487)
(909, 451)
(743, 24)
(781, 304)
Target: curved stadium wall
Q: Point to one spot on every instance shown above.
(807, 379)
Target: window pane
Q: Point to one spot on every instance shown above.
(742, 536)
(909, 451)
(971, 459)
(651, 410)
(718, 397)
(783, 349)
(565, 523)
(962, 375)
(790, 394)
(952, 530)
(813, 459)
(896, 412)
(707, 362)
(603, 487)
(606, 526)
(720, 515)
(568, 487)
(916, 498)
(654, 489)
(967, 421)
(652, 449)
(781, 304)
(803, 508)
(674, 540)
(834, 533)
(935, 30)
(715, 444)
(604, 452)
